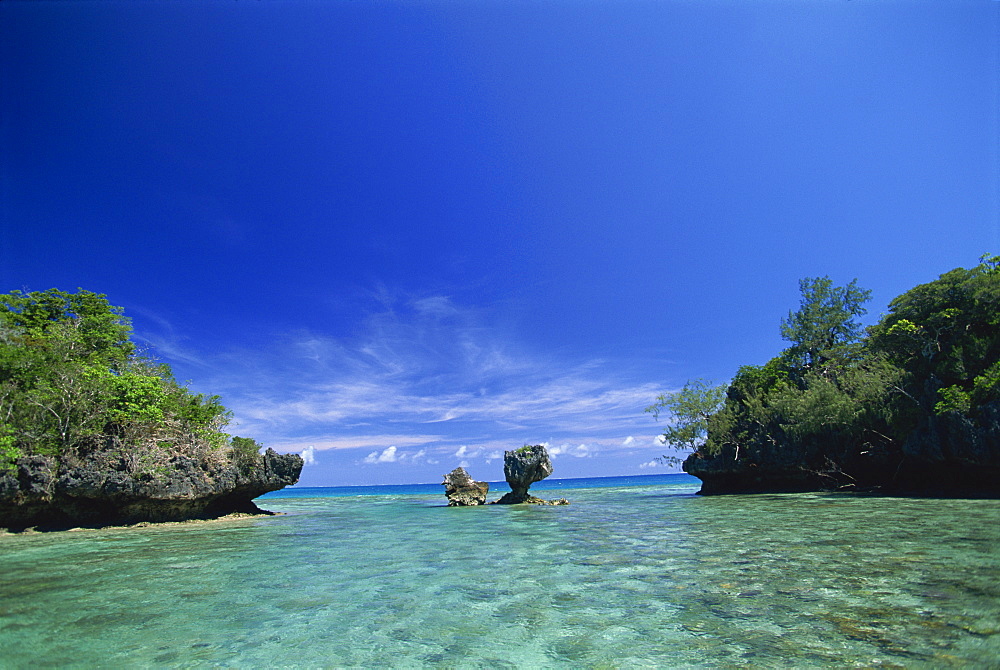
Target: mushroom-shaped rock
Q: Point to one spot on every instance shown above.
(462, 490)
(522, 468)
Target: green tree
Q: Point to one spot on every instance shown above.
(689, 411)
(71, 381)
(8, 450)
(825, 326)
(87, 326)
(853, 408)
(245, 449)
(946, 335)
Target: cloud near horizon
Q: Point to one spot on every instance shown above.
(393, 455)
(424, 362)
(579, 450)
(388, 455)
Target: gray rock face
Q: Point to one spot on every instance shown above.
(525, 466)
(522, 468)
(945, 455)
(769, 473)
(462, 490)
(101, 490)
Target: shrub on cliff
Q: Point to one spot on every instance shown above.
(71, 383)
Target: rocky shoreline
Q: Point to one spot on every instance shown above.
(947, 455)
(41, 492)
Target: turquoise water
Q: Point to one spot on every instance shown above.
(497, 489)
(642, 575)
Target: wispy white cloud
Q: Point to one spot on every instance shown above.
(162, 340)
(320, 442)
(393, 454)
(650, 464)
(578, 450)
(427, 361)
(568, 403)
(436, 306)
(388, 455)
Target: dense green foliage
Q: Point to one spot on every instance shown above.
(72, 383)
(690, 408)
(824, 327)
(946, 335)
(843, 401)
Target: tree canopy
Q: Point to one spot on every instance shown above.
(688, 411)
(946, 335)
(845, 401)
(72, 382)
(825, 325)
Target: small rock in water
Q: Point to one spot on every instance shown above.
(462, 490)
(522, 468)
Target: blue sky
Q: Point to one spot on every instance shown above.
(408, 235)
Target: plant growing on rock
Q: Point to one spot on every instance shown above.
(912, 403)
(689, 411)
(72, 382)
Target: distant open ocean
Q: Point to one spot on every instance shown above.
(498, 487)
(637, 572)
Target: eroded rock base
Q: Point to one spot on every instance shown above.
(462, 490)
(40, 492)
(511, 499)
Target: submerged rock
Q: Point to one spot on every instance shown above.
(103, 490)
(522, 468)
(462, 490)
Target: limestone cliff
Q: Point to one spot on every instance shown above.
(909, 405)
(522, 468)
(948, 454)
(462, 490)
(105, 490)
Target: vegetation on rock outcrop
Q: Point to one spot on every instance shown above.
(909, 404)
(72, 382)
(93, 431)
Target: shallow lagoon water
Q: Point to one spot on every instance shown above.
(645, 575)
